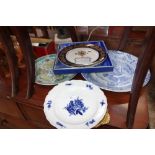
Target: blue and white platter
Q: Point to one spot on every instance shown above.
(120, 80)
(75, 104)
(44, 71)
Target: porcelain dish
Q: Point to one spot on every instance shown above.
(120, 80)
(44, 71)
(75, 104)
(82, 55)
(104, 65)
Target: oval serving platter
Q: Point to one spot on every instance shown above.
(82, 55)
(120, 80)
(75, 104)
(44, 71)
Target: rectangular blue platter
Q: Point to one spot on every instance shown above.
(105, 66)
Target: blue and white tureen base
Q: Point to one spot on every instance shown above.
(75, 104)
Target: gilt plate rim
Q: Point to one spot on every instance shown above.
(62, 54)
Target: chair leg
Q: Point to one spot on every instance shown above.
(140, 73)
(148, 127)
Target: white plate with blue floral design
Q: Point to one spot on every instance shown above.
(44, 71)
(75, 104)
(120, 80)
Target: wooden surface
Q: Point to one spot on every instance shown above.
(32, 108)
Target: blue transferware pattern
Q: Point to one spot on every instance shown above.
(76, 107)
(120, 80)
(90, 122)
(60, 124)
(49, 104)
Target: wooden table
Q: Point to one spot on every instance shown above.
(19, 112)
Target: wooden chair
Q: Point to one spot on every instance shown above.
(141, 70)
(25, 44)
(122, 115)
(23, 38)
(11, 57)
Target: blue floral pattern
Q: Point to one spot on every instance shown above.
(89, 86)
(102, 103)
(90, 122)
(60, 124)
(49, 104)
(76, 107)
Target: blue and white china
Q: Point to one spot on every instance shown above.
(44, 71)
(120, 80)
(75, 104)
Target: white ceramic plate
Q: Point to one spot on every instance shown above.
(44, 71)
(75, 104)
(85, 56)
(81, 55)
(120, 80)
